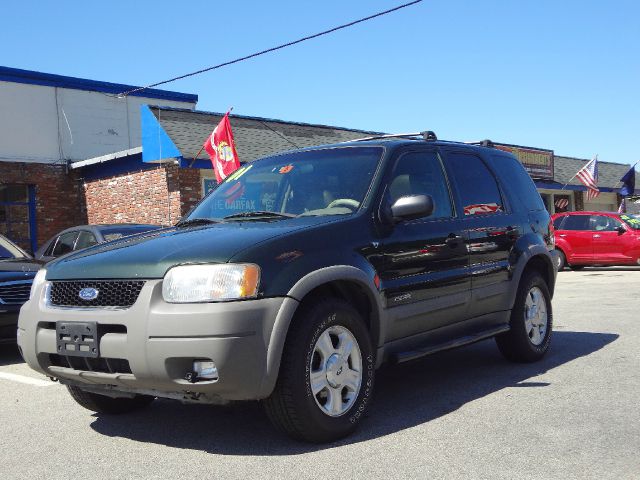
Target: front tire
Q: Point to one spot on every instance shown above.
(326, 375)
(531, 322)
(109, 405)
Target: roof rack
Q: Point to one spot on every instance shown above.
(427, 135)
(482, 143)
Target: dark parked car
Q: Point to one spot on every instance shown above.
(297, 277)
(83, 236)
(597, 238)
(17, 270)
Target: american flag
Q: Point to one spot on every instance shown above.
(588, 175)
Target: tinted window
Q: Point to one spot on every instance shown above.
(517, 181)
(85, 239)
(420, 173)
(64, 244)
(114, 233)
(632, 220)
(9, 250)
(476, 185)
(557, 222)
(576, 222)
(602, 223)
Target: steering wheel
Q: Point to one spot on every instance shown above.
(345, 202)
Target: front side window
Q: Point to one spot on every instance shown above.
(85, 240)
(420, 173)
(576, 222)
(477, 187)
(64, 244)
(602, 223)
(315, 182)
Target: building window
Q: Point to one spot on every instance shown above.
(16, 214)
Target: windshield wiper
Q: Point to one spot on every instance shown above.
(195, 221)
(259, 214)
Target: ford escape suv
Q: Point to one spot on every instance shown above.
(299, 276)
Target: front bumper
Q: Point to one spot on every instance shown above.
(159, 342)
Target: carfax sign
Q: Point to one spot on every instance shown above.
(536, 161)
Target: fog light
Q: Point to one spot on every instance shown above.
(205, 370)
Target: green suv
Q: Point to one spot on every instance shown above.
(299, 276)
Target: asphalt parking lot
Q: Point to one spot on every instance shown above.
(460, 414)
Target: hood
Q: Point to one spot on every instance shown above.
(12, 269)
(151, 254)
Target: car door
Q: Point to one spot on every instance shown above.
(609, 244)
(577, 234)
(490, 227)
(423, 271)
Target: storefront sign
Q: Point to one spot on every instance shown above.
(537, 162)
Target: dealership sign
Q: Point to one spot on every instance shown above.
(537, 162)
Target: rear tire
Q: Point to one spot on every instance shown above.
(531, 322)
(109, 405)
(562, 260)
(326, 375)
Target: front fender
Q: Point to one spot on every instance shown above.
(297, 293)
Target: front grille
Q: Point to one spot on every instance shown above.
(111, 293)
(15, 293)
(102, 365)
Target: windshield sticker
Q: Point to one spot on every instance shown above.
(481, 208)
(286, 169)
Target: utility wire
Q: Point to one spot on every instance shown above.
(273, 49)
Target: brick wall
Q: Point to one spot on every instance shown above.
(159, 196)
(59, 202)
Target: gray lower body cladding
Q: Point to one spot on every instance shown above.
(151, 346)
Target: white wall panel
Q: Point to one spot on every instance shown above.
(28, 123)
(48, 124)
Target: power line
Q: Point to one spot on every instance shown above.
(269, 50)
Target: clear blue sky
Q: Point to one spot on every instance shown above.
(563, 75)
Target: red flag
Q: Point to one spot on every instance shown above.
(222, 149)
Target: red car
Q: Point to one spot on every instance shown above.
(596, 238)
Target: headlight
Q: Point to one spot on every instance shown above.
(37, 281)
(210, 283)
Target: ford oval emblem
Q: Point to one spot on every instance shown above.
(88, 294)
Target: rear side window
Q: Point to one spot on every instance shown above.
(477, 187)
(576, 222)
(517, 181)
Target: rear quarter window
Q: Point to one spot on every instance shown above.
(477, 188)
(517, 181)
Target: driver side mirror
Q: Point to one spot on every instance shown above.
(409, 207)
(621, 230)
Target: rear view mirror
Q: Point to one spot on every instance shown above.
(412, 206)
(621, 230)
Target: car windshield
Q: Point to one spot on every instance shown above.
(632, 220)
(114, 233)
(315, 182)
(9, 250)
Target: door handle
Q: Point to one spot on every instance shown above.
(595, 235)
(453, 239)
